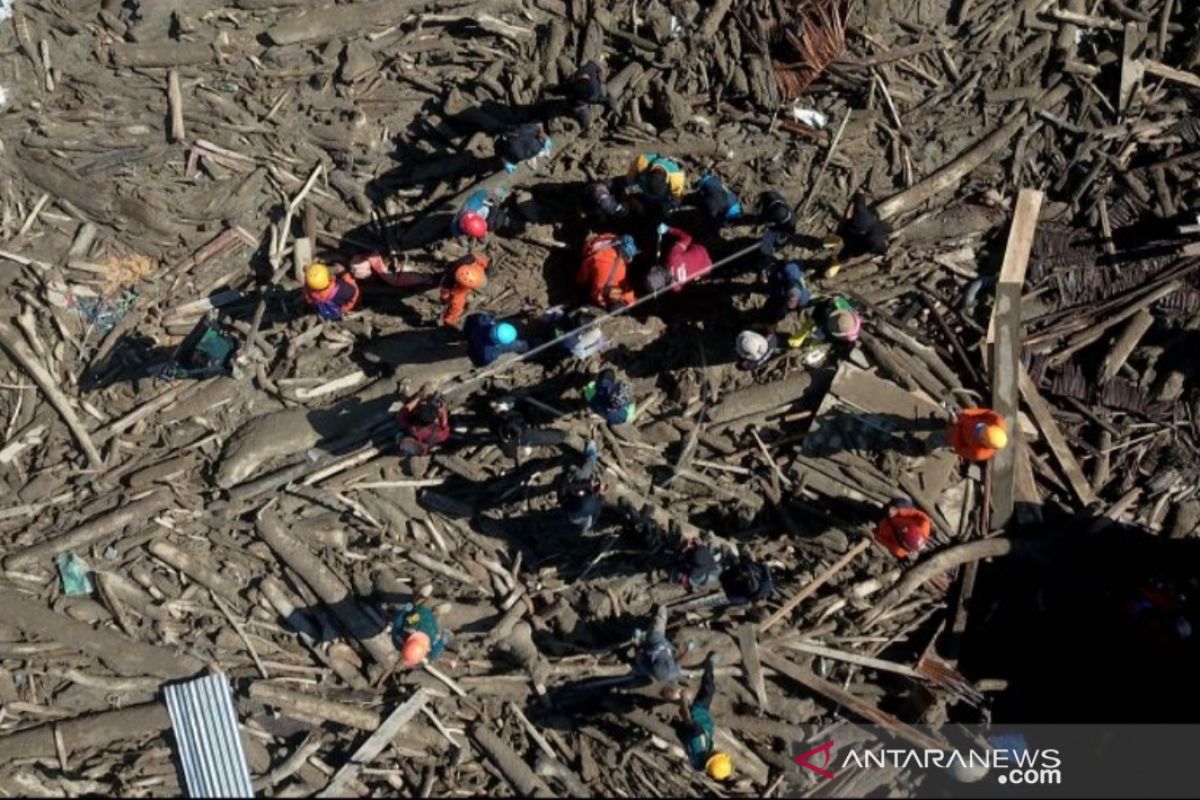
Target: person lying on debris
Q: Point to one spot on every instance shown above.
(786, 290)
(605, 203)
(685, 261)
(716, 200)
(906, 529)
(464, 276)
(424, 424)
(333, 297)
(364, 266)
(862, 231)
(746, 581)
(488, 339)
(487, 212)
(755, 348)
(657, 661)
(699, 730)
(658, 182)
(977, 434)
(605, 270)
(579, 493)
(558, 322)
(584, 89)
(610, 398)
(521, 143)
(417, 635)
(514, 435)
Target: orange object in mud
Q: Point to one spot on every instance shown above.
(978, 433)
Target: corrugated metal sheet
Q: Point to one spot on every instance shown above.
(206, 737)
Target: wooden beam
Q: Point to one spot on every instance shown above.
(375, 744)
(855, 705)
(1005, 345)
(813, 585)
(1054, 437)
(750, 660)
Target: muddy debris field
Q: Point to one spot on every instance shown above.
(163, 164)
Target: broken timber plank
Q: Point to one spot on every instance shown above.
(750, 660)
(523, 779)
(854, 704)
(331, 22)
(94, 530)
(376, 743)
(1055, 439)
(1004, 336)
(813, 585)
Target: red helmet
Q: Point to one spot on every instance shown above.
(473, 225)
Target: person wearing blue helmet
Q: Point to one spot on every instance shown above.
(488, 339)
(717, 200)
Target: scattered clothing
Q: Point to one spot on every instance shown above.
(605, 270)
(515, 436)
(977, 434)
(417, 635)
(488, 339)
(863, 232)
(368, 264)
(424, 424)
(906, 529)
(521, 143)
(464, 276)
(718, 201)
(610, 398)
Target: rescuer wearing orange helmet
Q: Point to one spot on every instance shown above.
(332, 296)
(906, 529)
(464, 276)
(417, 635)
(978, 433)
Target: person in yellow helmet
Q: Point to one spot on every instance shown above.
(977, 434)
(333, 296)
(698, 739)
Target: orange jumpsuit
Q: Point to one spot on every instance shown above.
(911, 525)
(962, 437)
(454, 294)
(605, 273)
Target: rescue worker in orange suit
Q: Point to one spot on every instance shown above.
(977, 434)
(605, 270)
(332, 297)
(686, 260)
(424, 424)
(906, 529)
(464, 276)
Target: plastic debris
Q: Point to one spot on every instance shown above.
(810, 117)
(74, 574)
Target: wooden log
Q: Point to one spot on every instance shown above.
(307, 705)
(92, 531)
(856, 705)
(122, 654)
(330, 588)
(1161, 70)
(327, 23)
(816, 583)
(163, 54)
(376, 743)
(1126, 343)
(519, 774)
(748, 644)
(175, 103)
(201, 573)
(948, 176)
(1044, 418)
(1004, 338)
(92, 731)
(14, 345)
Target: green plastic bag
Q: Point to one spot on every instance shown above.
(74, 574)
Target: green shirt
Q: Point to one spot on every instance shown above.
(420, 619)
(699, 744)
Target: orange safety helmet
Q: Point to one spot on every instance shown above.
(416, 648)
(470, 275)
(473, 225)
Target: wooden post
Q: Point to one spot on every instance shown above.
(1004, 338)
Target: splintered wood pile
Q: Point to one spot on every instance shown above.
(163, 161)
